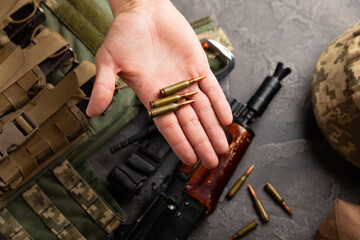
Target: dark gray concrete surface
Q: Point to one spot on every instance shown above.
(289, 149)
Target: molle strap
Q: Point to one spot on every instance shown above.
(49, 101)
(86, 197)
(49, 214)
(84, 72)
(53, 136)
(11, 228)
(80, 117)
(10, 66)
(17, 95)
(46, 43)
(4, 105)
(3, 38)
(8, 171)
(26, 163)
(8, 8)
(6, 50)
(38, 148)
(24, 123)
(67, 123)
(35, 76)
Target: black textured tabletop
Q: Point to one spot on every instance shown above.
(288, 150)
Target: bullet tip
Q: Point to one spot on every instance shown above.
(250, 169)
(197, 79)
(187, 102)
(251, 190)
(190, 93)
(288, 209)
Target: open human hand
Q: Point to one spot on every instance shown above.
(150, 45)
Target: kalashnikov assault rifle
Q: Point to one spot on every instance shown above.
(190, 193)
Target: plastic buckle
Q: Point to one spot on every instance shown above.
(15, 131)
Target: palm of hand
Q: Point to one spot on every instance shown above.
(153, 47)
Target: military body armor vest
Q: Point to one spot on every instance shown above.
(47, 189)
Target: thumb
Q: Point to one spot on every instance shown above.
(104, 85)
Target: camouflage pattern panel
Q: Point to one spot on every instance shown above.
(86, 197)
(50, 215)
(10, 228)
(205, 29)
(335, 94)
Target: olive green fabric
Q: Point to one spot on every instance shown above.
(66, 205)
(50, 214)
(83, 19)
(335, 94)
(86, 197)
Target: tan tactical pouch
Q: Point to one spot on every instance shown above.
(47, 189)
(342, 223)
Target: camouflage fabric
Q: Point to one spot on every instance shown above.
(50, 215)
(86, 197)
(336, 96)
(10, 227)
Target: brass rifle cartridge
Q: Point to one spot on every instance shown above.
(243, 231)
(239, 183)
(170, 99)
(155, 112)
(259, 206)
(277, 197)
(179, 86)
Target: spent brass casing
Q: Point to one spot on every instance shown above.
(276, 196)
(259, 206)
(167, 91)
(155, 112)
(243, 231)
(170, 99)
(235, 188)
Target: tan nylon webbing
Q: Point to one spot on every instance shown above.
(10, 66)
(86, 197)
(85, 71)
(52, 137)
(3, 38)
(46, 42)
(16, 100)
(50, 215)
(26, 163)
(27, 81)
(48, 101)
(9, 7)
(6, 50)
(8, 170)
(16, 96)
(11, 228)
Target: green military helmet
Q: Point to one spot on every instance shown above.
(336, 94)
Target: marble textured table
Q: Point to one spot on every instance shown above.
(289, 149)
